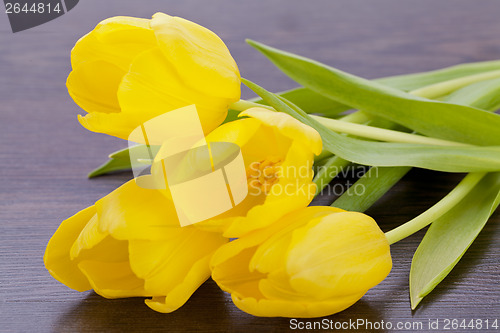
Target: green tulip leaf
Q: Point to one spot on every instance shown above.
(111, 165)
(369, 188)
(120, 161)
(432, 118)
(482, 95)
(439, 158)
(409, 82)
(313, 102)
(450, 236)
(310, 102)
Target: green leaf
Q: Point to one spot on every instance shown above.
(369, 188)
(327, 171)
(414, 81)
(113, 164)
(312, 102)
(120, 161)
(440, 158)
(482, 95)
(232, 115)
(450, 236)
(432, 118)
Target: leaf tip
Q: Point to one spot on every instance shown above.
(252, 42)
(93, 174)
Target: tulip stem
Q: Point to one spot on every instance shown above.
(381, 134)
(243, 105)
(436, 211)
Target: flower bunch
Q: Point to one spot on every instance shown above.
(244, 184)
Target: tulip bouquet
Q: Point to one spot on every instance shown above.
(275, 255)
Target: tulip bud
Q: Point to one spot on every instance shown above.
(311, 263)
(278, 153)
(130, 244)
(129, 70)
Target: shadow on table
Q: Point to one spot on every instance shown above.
(209, 309)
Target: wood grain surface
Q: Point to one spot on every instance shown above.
(45, 154)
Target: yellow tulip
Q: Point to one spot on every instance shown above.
(129, 70)
(130, 244)
(313, 262)
(278, 153)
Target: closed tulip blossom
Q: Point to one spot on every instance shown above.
(129, 70)
(278, 153)
(129, 244)
(314, 262)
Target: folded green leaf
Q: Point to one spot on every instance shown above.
(433, 118)
(450, 236)
(440, 158)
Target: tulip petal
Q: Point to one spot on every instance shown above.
(267, 143)
(235, 216)
(296, 170)
(293, 309)
(294, 190)
(234, 265)
(152, 87)
(57, 259)
(93, 86)
(163, 264)
(358, 258)
(110, 123)
(201, 57)
(132, 212)
(89, 237)
(175, 268)
(256, 141)
(112, 280)
(180, 294)
(288, 126)
(93, 244)
(116, 40)
(272, 252)
(238, 132)
(263, 215)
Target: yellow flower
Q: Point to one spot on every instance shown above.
(313, 262)
(129, 70)
(278, 153)
(130, 244)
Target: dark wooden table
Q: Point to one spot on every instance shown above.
(45, 154)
